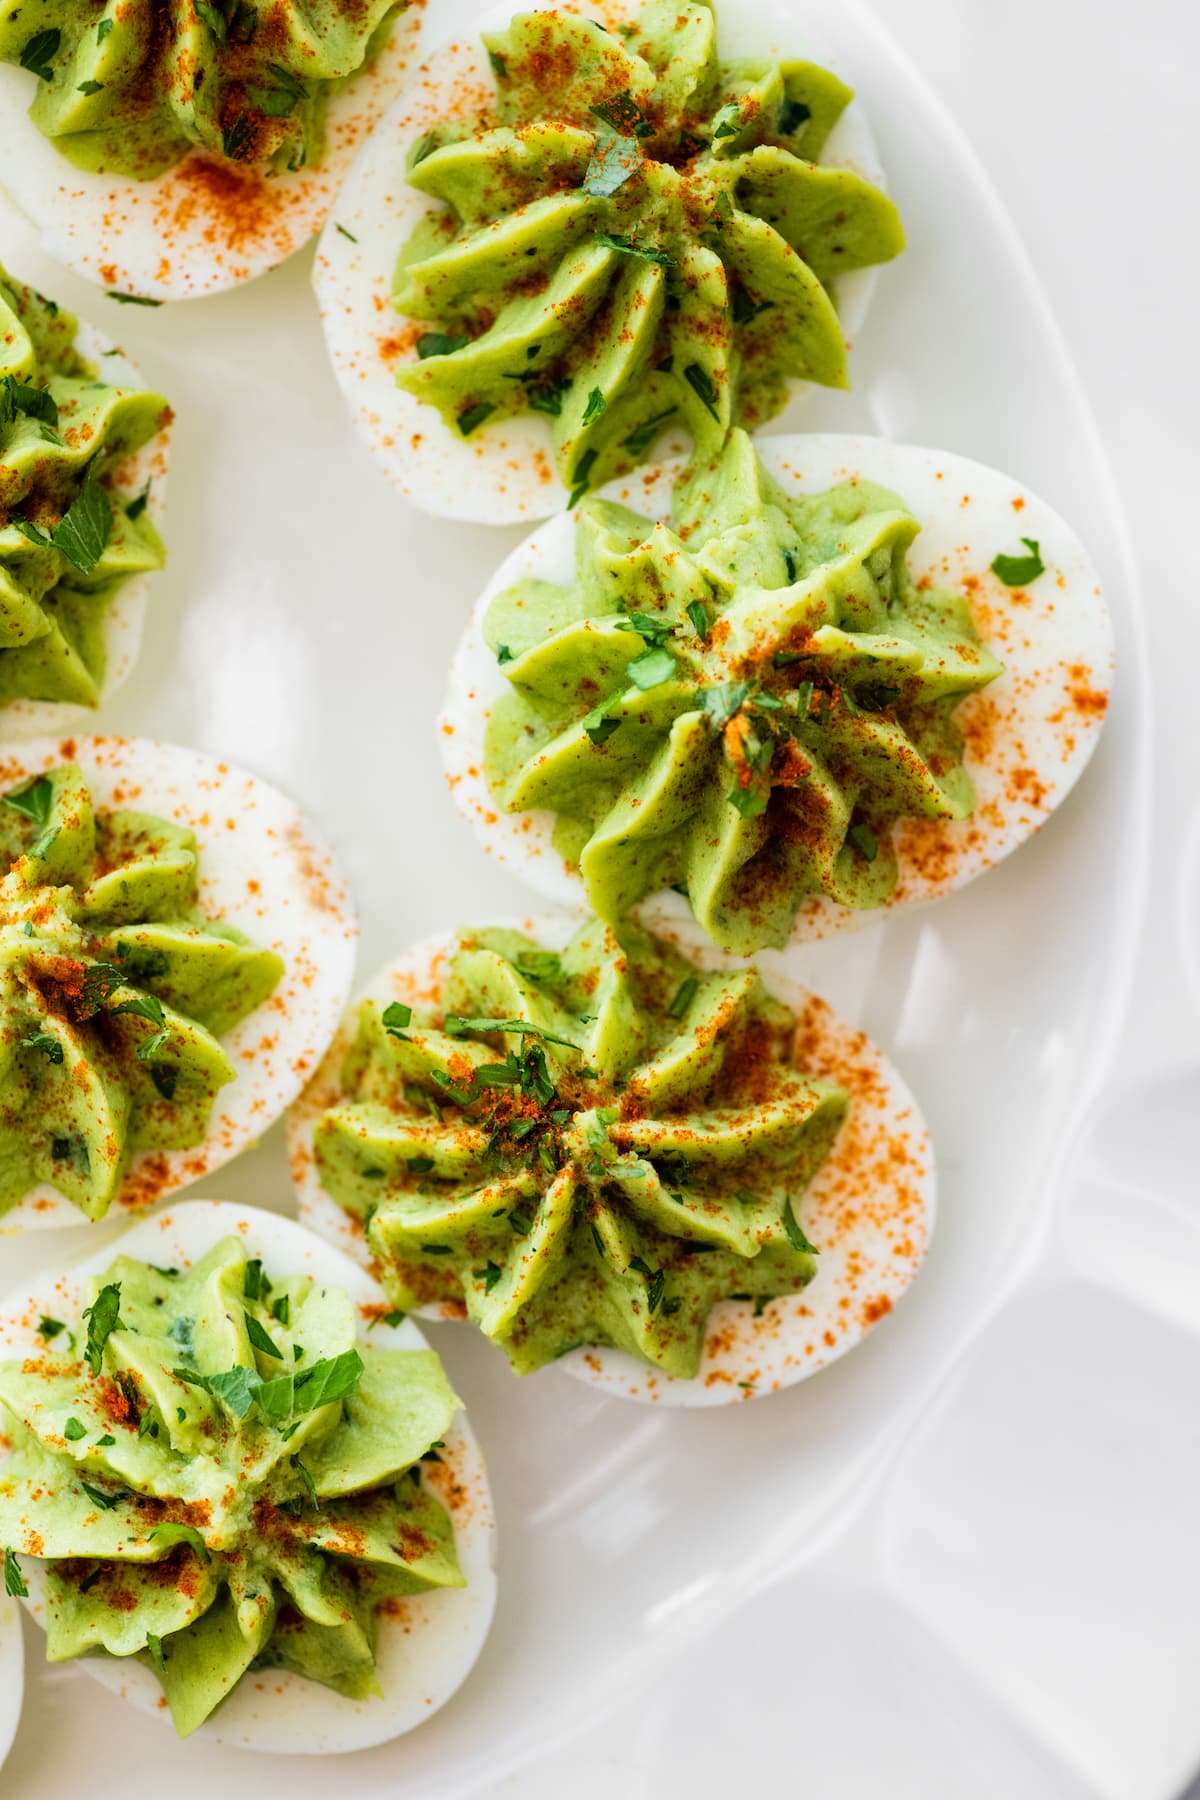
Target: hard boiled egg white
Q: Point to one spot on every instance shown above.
(12, 1674)
(428, 1645)
(204, 225)
(504, 472)
(1028, 736)
(870, 1211)
(263, 870)
(126, 614)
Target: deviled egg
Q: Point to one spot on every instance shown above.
(235, 1484)
(176, 151)
(680, 1183)
(597, 225)
(799, 687)
(176, 947)
(83, 467)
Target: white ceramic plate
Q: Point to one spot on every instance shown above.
(962, 1561)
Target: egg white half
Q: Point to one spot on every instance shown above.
(1028, 736)
(264, 870)
(12, 1674)
(504, 472)
(870, 1211)
(205, 225)
(125, 616)
(428, 1646)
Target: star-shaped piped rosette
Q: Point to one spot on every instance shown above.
(114, 991)
(70, 532)
(585, 1147)
(212, 1475)
(129, 90)
(741, 705)
(634, 235)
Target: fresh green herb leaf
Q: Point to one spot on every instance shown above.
(684, 995)
(393, 1319)
(90, 87)
(165, 1080)
(83, 532)
(236, 1388)
(34, 800)
(457, 1027)
(214, 18)
(281, 1310)
(499, 66)
(652, 669)
(138, 504)
(1019, 571)
(132, 299)
(142, 1006)
(281, 100)
(103, 1318)
(396, 1019)
(252, 1279)
(173, 1531)
(642, 436)
(597, 1240)
(503, 653)
(99, 1498)
(792, 115)
(472, 418)
(864, 841)
(521, 1222)
(38, 51)
(583, 474)
(439, 343)
(106, 1441)
(727, 122)
(622, 114)
(49, 1329)
(698, 614)
(73, 1430)
(29, 530)
(103, 29)
(539, 965)
(629, 246)
(259, 1338)
(745, 307)
(595, 406)
(34, 402)
(654, 1291)
(655, 630)
(547, 399)
(333, 1378)
(723, 699)
(489, 1275)
(237, 138)
(613, 160)
(310, 1486)
(50, 1047)
(14, 1581)
(156, 1652)
(598, 726)
(795, 1235)
(347, 234)
(700, 381)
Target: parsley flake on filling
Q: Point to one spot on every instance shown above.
(740, 704)
(130, 89)
(115, 991)
(586, 1148)
(68, 538)
(211, 1506)
(637, 234)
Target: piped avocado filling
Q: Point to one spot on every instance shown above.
(129, 87)
(741, 704)
(115, 992)
(71, 529)
(636, 235)
(591, 1147)
(216, 1478)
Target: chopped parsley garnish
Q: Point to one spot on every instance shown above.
(281, 1310)
(173, 1531)
(684, 995)
(439, 343)
(745, 307)
(103, 29)
(238, 137)
(50, 1047)
(643, 435)
(864, 841)
(701, 382)
(394, 1318)
(656, 631)
(49, 1329)
(14, 1581)
(472, 418)
(723, 699)
(132, 299)
(521, 1222)
(652, 669)
(457, 1027)
(254, 1283)
(595, 406)
(612, 162)
(622, 114)
(583, 474)
(90, 87)
(795, 1235)
(347, 234)
(281, 99)
(499, 66)
(22, 397)
(727, 122)
(34, 800)
(792, 115)
(547, 399)
(73, 1430)
(83, 532)
(396, 1019)
(698, 614)
(619, 240)
(38, 51)
(310, 1486)
(99, 1498)
(1019, 571)
(103, 1318)
(597, 724)
(489, 1275)
(259, 1338)
(503, 653)
(138, 504)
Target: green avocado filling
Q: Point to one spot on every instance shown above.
(740, 705)
(114, 992)
(70, 532)
(129, 87)
(591, 1147)
(637, 235)
(218, 1479)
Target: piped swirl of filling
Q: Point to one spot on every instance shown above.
(129, 87)
(586, 1148)
(740, 707)
(217, 1478)
(114, 992)
(69, 536)
(637, 235)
